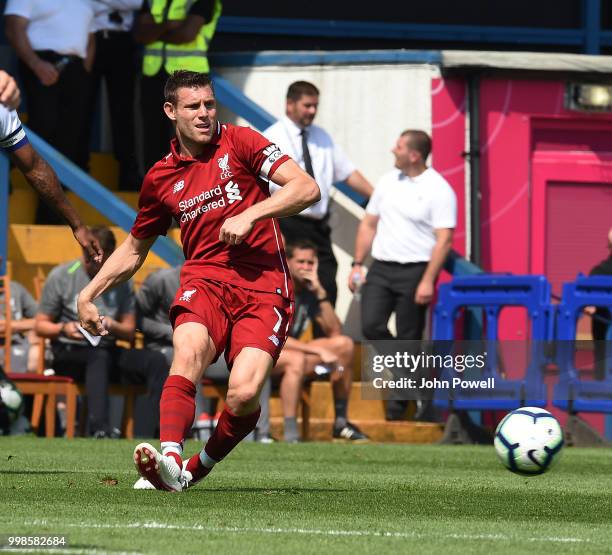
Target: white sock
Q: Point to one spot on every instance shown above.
(206, 460)
(172, 447)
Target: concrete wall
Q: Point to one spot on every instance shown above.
(364, 107)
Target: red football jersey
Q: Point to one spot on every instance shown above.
(201, 193)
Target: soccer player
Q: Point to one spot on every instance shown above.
(42, 178)
(235, 293)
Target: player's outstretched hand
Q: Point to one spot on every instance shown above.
(90, 317)
(10, 95)
(235, 229)
(89, 243)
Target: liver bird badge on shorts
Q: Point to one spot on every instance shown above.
(224, 165)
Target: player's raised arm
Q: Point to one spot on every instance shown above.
(298, 192)
(43, 179)
(10, 95)
(120, 266)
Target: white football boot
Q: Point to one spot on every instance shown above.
(162, 472)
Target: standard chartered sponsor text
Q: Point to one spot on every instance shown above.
(184, 205)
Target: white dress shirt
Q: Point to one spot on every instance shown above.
(329, 162)
(103, 9)
(409, 210)
(63, 27)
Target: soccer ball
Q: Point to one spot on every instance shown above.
(528, 441)
(11, 399)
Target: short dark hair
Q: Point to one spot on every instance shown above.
(188, 79)
(418, 140)
(105, 237)
(300, 88)
(304, 244)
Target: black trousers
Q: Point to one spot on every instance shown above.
(295, 228)
(156, 127)
(115, 64)
(58, 113)
(390, 287)
(99, 366)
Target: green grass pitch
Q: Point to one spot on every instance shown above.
(308, 498)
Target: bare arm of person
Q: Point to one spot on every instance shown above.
(425, 290)
(360, 184)
(10, 95)
(119, 267)
(363, 244)
(15, 28)
(43, 179)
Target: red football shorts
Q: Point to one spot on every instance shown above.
(235, 317)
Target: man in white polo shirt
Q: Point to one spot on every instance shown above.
(314, 149)
(54, 44)
(408, 225)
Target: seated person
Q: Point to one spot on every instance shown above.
(332, 354)
(24, 342)
(74, 356)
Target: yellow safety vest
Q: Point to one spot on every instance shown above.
(190, 55)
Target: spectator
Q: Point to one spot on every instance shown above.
(115, 64)
(314, 149)
(57, 319)
(176, 36)
(408, 224)
(332, 354)
(600, 323)
(24, 342)
(54, 45)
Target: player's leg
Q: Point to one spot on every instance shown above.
(250, 369)
(341, 380)
(193, 351)
(290, 366)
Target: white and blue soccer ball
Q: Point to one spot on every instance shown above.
(12, 399)
(528, 441)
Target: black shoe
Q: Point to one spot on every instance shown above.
(350, 433)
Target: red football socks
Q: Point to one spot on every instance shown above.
(177, 411)
(230, 431)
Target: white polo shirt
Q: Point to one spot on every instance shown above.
(63, 27)
(329, 162)
(103, 9)
(12, 135)
(409, 210)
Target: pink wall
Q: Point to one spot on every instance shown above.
(448, 136)
(528, 140)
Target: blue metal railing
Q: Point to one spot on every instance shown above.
(589, 36)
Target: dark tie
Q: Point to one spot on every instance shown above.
(306, 153)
